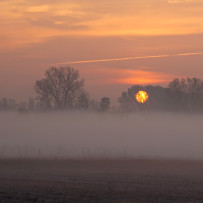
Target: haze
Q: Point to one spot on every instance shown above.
(94, 135)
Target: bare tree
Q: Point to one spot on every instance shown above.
(83, 101)
(60, 88)
(31, 104)
(23, 107)
(104, 104)
(8, 104)
(187, 93)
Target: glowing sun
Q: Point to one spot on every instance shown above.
(142, 96)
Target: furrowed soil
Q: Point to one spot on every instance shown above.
(150, 181)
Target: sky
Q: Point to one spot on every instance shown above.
(35, 35)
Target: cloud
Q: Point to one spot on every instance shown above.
(37, 9)
(184, 1)
(96, 18)
(110, 76)
(141, 77)
(174, 1)
(129, 58)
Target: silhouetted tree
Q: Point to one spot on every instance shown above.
(187, 93)
(23, 107)
(31, 104)
(83, 101)
(104, 104)
(8, 104)
(61, 88)
(94, 105)
(159, 99)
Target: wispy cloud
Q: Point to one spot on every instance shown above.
(37, 9)
(141, 77)
(184, 1)
(128, 58)
(96, 18)
(109, 76)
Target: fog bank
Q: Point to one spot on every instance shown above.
(86, 135)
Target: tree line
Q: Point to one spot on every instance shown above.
(63, 89)
(185, 94)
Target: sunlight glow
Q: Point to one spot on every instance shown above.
(142, 97)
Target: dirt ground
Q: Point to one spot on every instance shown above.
(150, 181)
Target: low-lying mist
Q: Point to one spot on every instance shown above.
(95, 135)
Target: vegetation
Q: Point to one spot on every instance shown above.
(62, 89)
(184, 94)
(187, 94)
(159, 98)
(104, 104)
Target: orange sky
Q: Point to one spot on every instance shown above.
(36, 34)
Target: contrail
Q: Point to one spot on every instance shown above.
(128, 58)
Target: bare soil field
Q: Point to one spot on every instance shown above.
(150, 181)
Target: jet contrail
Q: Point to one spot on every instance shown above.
(128, 58)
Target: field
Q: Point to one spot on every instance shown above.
(138, 180)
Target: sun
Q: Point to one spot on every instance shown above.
(142, 97)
